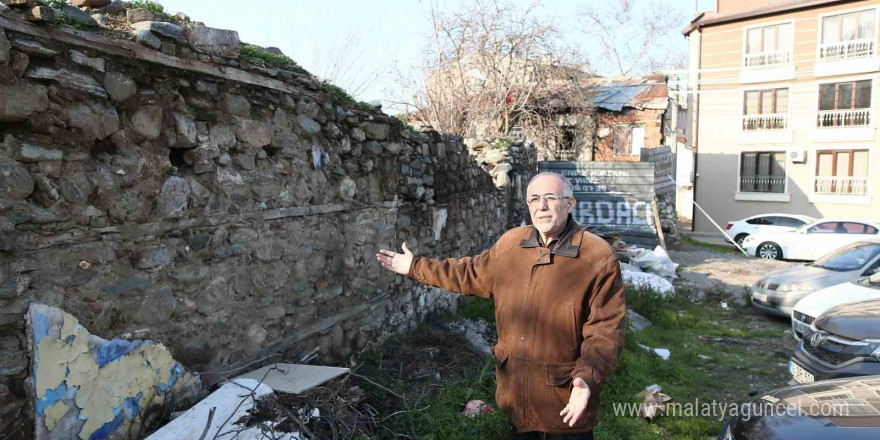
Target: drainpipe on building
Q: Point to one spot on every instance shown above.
(697, 128)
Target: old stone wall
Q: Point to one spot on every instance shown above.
(231, 214)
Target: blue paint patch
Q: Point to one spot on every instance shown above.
(176, 371)
(51, 398)
(40, 324)
(115, 349)
(108, 428)
(130, 406)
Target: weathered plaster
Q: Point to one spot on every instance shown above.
(109, 382)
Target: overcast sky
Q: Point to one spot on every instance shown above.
(387, 32)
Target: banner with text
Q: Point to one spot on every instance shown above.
(613, 197)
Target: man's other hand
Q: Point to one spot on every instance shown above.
(395, 262)
(577, 403)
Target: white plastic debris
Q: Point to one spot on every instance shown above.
(648, 281)
(723, 305)
(656, 261)
(662, 352)
(232, 401)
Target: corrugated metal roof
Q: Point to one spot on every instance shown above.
(636, 92)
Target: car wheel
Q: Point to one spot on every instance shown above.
(739, 239)
(769, 251)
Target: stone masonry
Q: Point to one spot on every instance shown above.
(228, 213)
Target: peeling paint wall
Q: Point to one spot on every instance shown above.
(90, 388)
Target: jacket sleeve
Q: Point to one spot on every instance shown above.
(468, 275)
(604, 330)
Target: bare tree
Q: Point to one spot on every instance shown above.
(490, 66)
(635, 36)
(347, 62)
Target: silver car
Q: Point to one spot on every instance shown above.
(779, 291)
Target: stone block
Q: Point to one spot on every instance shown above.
(15, 182)
(148, 39)
(19, 102)
(254, 133)
(69, 78)
(185, 128)
(147, 121)
(308, 125)
(41, 14)
(5, 47)
(83, 60)
(173, 198)
(162, 29)
(96, 121)
(79, 16)
(138, 15)
(33, 48)
(35, 153)
(119, 86)
(376, 130)
(89, 3)
(211, 41)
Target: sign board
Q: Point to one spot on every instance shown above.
(612, 197)
(662, 158)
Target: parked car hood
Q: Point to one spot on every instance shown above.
(820, 301)
(802, 425)
(857, 321)
(801, 274)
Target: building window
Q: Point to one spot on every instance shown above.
(762, 172)
(846, 104)
(768, 45)
(765, 110)
(628, 140)
(846, 36)
(842, 172)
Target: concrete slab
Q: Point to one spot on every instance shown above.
(294, 378)
(231, 402)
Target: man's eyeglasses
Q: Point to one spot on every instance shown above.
(552, 199)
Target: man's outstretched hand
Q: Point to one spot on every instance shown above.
(577, 403)
(398, 263)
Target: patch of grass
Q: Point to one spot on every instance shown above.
(54, 4)
(256, 55)
(338, 93)
(63, 19)
(151, 6)
(712, 247)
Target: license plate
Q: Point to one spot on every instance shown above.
(799, 327)
(799, 374)
(759, 296)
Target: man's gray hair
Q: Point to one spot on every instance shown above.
(567, 189)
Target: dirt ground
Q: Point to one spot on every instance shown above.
(707, 269)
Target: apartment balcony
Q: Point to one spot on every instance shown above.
(767, 66)
(849, 186)
(762, 184)
(844, 125)
(763, 60)
(765, 128)
(847, 57)
(846, 50)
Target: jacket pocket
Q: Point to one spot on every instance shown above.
(503, 379)
(557, 383)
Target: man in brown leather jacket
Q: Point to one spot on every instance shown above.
(559, 310)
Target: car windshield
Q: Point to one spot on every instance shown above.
(850, 257)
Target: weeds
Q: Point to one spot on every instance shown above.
(151, 6)
(256, 55)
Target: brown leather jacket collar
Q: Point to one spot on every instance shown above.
(569, 242)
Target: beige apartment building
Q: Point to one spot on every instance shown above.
(784, 99)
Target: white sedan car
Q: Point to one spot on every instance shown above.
(764, 223)
(811, 306)
(810, 241)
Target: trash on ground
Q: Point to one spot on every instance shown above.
(653, 402)
(662, 352)
(723, 305)
(656, 261)
(230, 402)
(637, 321)
(294, 378)
(476, 408)
(651, 281)
(475, 332)
(630, 267)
